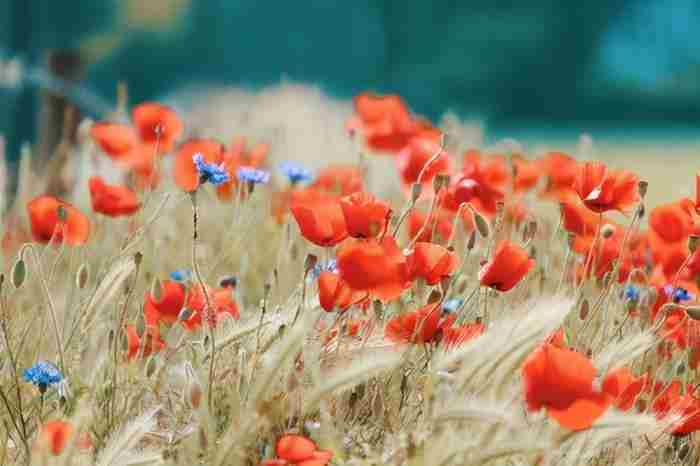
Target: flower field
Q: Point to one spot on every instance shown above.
(169, 298)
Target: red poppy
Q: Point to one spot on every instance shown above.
(384, 121)
(153, 344)
(624, 387)
(185, 172)
(221, 300)
(115, 139)
(441, 223)
(112, 200)
(338, 180)
(55, 435)
(560, 170)
(378, 267)
(420, 326)
(577, 218)
(604, 252)
(157, 124)
(365, 215)
(510, 263)
(413, 158)
(298, 450)
(334, 293)
(527, 173)
(602, 189)
(319, 216)
(482, 182)
(431, 262)
(168, 307)
(350, 328)
(235, 157)
(671, 223)
(665, 396)
(455, 336)
(561, 381)
(46, 222)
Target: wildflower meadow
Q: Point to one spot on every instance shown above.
(171, 298)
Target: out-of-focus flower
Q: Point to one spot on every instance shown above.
(53, 218)
(509, 265)
(55, 435)
(43, 374)
(431, 262)
(384, 121)
(198, 161)
(152, 343)
(112, 200)
(295, 173)
(298, 450)
(210, 172)
(181, 275)
(252, 175)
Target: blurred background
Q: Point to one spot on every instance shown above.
(546, 69)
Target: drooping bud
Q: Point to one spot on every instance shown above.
(643, 185)
(82, 276)
(416, 190)
(19, 273)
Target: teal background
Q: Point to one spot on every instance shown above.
(523, 66)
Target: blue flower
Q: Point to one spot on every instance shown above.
(181, 275)
(252, 175)
(451, 305)
(295, 173)
(211, 172)
(43, 374)
(678, 295)
(632, 293)
(330, 266)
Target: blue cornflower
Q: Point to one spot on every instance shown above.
(632, 293)
(181, 275)
(451, 305)
(43, 374)
(295, 173)
(679, 294)
(330, 266)
(211, 172)
(252, 175)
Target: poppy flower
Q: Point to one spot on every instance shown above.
(153, 344)
(221, 300)
(378, 267)
(431, 262)
(365, 215)
(510, 263)
(298, 450)
(53, 218)
(338, 180)
(319, 216)
(527, 173)
(602, 189)
(441, 224)
(236, 157)
(482, 182)
(453, 336)
(603, 253)
(112, 200)
(419, 326)
(157, 124)
(665, 397)
(334, 293)
(560, 170)
(350, 328)
(185, 172)
(168, 307)
(55, 435)
(671, 223)
(385, 122)
(560, 380)
(624, 387)
(115, 139)
(413, 158)
(577, 218)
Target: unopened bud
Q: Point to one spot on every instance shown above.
(643, 185)
(472, 240)
(434, 297)
(583, 310)
(607, 230)
(19, 273)
(481, 224)
(310, 262)
(416, 190)
(228, 282)
(194, 393)
(81, 277)
(440, 181)
(185, 314)
(693, 241)
(62, 213)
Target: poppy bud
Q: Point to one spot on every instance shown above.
(481, 224)
(194, 393)
(310, 262)
(81, 277)
(185, 314)
(693, 312)
(642, 211)
(472, 241)
(138, 258)
(607, 230)
(157, 289)
(440, 181)
(583, 310)
(19, 273)
(62, 213)
(228, 282)
(642, 188)
(434, 297)
(693, 241)
(416, 190)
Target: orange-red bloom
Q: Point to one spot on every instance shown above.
(378, 267)
(453, 336)
(221, 299)
(153, 342)
(441, 222)
(112, 200)
(168, 307)
(53, 218)
(385, 121)
(365, 215)
(157, 124)
(482, 182)
(55, 436)
(319, 216)
(431, 262)
(413, 158)
(624, 387)
(420, 326)
(561, 381)
(527, 173)
(602, 189)
(334, 293)
(298, 450)
(509, 265)
(184, 170)
(338, 180)
(560, 170)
